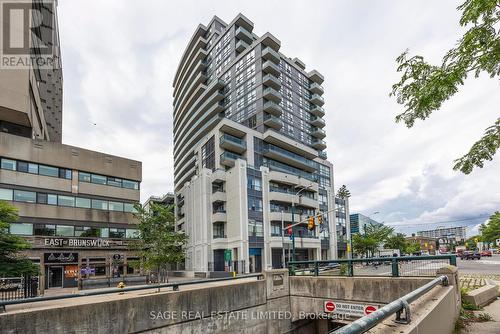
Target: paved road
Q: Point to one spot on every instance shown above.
(487, 265)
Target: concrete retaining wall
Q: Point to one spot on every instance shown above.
(482, 296)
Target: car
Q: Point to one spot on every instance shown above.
(486, 253)
(471, 256)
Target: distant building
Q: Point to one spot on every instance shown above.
(360, 221)
(341, 221)
(167, 200)
(446, 234)
(426, 243)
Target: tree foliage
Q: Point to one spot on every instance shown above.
(12, 264)
(490, 232)
(368, 241)
(343, 192)
(396, 241)
(423, 87)
(159, 243)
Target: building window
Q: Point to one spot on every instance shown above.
(6, 194)
(21, 229)
(275, 229)
(114, 182)
(129, 207)
(132, 233)
(45, 229)
(98, 179)
(83, 203)
(52, 199)
(255, 204)
(65, 201)
(85, 231)
(117, 233)
(83, 177)
(218, 230)
(8, 164)
(99, 204)
(65, 230)
(48, 171)
(130, 184)
(115, 206)
(255, 228)
(254, 183)
(24, 196)
(208, 154)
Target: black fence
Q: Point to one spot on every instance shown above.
(12, 288)
(405, 266)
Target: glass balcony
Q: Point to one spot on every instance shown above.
(317, 111)
(273, 122)
(319, 144)
(323, 155)
(271, 94)
(232, 143)
(271, 81)
(318, 100)
(318, 133)
(284, 168)
(316, 88)
(241, 46)
(228, 158)
(270, 54)
(272, 108)
(272, 68)
(243, 34)
(318, 122)
(290, 158)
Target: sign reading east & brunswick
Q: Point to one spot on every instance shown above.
(83, 243)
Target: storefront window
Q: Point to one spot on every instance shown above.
(104, 232)
(65, 231)
(86, 231)
(21, 229)
(45, 229)
(117, 233)
(132, 233)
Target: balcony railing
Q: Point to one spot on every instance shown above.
(230, 139)
(294, 156)
(281, 167)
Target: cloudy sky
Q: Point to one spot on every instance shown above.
(120, 57)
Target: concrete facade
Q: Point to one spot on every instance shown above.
(248, 145)
(75, 205)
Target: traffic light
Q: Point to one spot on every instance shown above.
(310, 223)
(320, 220)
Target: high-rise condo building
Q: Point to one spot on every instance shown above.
(249, 151)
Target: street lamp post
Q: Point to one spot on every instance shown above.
(293, 219)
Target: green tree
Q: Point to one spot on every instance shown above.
(371, 238)
(343, 192)
(412, 247)
(159, 243)
(396, 241)
(423, 87)
(490, 232)
(12, 264)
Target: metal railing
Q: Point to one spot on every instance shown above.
(13, 288)
(401, 266)
(399, 306)
(175, 286)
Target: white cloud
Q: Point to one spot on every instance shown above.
(120, 58)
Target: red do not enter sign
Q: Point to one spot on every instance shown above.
(329, 306)
(370, 309)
